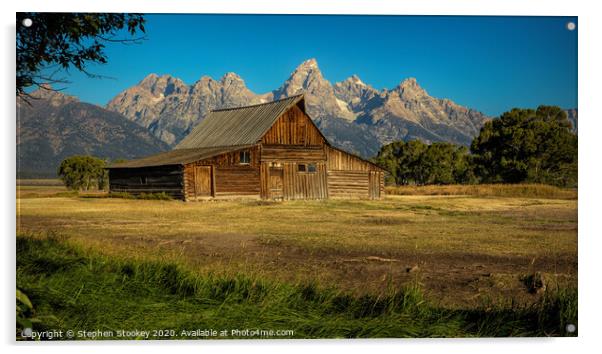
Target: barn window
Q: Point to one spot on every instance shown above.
(143, 180)
(245, 157)
(310, 167)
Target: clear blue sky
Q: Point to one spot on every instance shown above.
(488, 63)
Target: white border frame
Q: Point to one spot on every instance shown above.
(590, 127)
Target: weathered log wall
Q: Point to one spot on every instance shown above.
(340, 160)
(350, 176)
(376, 184)
(295, 184)
(343, 184)
(236, 181)
(168, 179)
(281, 153)
(229, 176)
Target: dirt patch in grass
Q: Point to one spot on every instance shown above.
(454, 280)
(451, 279)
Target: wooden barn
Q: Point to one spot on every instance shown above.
(270, 151)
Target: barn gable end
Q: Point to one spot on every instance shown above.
(294, 127)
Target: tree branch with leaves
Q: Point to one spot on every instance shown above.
(56, 42)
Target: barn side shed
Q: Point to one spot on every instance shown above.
(270, 151)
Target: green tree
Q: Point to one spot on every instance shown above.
(411, 162)
(463, 166)
(56, 41)
(414, 162)
(83, 173)
(401, 160)
(439, 163)
(526, 145)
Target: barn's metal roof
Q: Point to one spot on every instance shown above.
(238, 126)
(178, 157)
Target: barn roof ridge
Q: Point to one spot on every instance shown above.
(258, 104)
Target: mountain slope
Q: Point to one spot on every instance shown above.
(54, 126)
(352, 114)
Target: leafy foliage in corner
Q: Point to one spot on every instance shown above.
(24, 311)
(526, 145)
(58, 41)
(83, 173)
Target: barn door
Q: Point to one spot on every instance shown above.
(276, 183)
(202, 181)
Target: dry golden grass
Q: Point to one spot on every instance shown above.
(488, 190)
(498, 226)
(28, 191)
(45, 188)
(39, 182)
(357, 244)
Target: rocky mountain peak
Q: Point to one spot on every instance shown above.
(204, 78)
(232, 79)
(169, 108)
(160, 86)
(354, 83)
(149, 81)
(305, 78)
(356, 80)
(230, 76)
(310, 63)
(354, 91)
(410, 89)
(319, 94)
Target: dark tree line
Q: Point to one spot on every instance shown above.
(522, 145)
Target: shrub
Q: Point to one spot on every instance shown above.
(83, 173)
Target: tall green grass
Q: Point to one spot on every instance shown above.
(74, 290)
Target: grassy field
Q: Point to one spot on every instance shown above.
(488, 190)
(75, 291)
(456, 254)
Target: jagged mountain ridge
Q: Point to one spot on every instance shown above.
(352, 114)
(53, 126)
(169, 108)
